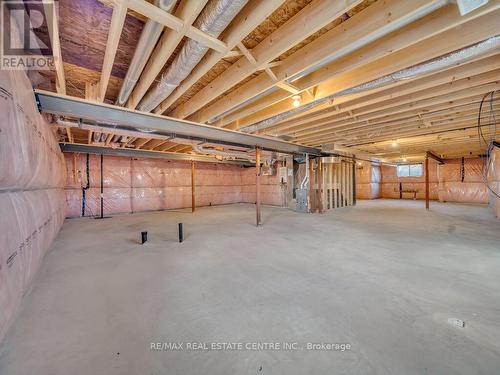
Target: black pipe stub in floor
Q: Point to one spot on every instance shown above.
(144, 237)
(181, 234)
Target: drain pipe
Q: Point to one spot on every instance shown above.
(149, 36)
(215, 17)
(430, 66)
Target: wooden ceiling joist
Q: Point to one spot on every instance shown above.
(359, 30)
(310, 19)
(114, 34)
(351, 103)
(456, 38)
(247, 20)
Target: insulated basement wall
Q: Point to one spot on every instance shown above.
(391, 184)
(32, 174)
(494, 180)
(145, 184)
(462, 182)
(367, 180)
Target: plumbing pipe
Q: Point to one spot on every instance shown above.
(223, 154)
(215, 17)
(149, 37)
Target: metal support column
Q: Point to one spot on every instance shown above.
(257, 187)
(427, 182)
(193, 202)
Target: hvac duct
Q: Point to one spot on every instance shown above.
(430, 66)
(149, 36)
(213, 20)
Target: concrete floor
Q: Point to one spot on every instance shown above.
(383, 276)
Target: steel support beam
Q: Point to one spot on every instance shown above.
(64, 105)
(137, 153)
(429, 154)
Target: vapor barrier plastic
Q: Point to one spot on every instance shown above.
(135, 185)
(30, 157)
(367, 180)
(462, 182)
(494, 180)
(29, 222)
(395, 187)
(32, 174)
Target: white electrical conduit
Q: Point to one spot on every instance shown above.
(215, 17)
(430, 66)
(149, 36)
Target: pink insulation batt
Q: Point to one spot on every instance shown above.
(32, 175)
(145, 184)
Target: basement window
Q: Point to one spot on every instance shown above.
(410, 170)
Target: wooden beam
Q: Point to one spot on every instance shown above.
(246, 21)
(188, 11)
(177, 24)
(373, 22)
(307, 21)
(459, 37)
(246, 53)
(429, 154)
(114, 33)
(53, 28)
(350, 103)
(288, 87)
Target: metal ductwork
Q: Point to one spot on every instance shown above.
(430, 66)
(213, 20)
(149, 37)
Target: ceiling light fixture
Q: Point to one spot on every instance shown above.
(296, 100)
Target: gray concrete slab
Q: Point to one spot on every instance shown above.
(384, 277)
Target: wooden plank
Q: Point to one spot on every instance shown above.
(53, 29)
(188, 11)
(115, 31)
(246, 20)
(373, 22)
(458, 37)
(309, 20)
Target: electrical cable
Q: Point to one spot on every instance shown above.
(488, 142)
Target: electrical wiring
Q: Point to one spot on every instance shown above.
(488, 98)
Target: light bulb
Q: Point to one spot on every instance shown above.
(394, 144)
(296, 103)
